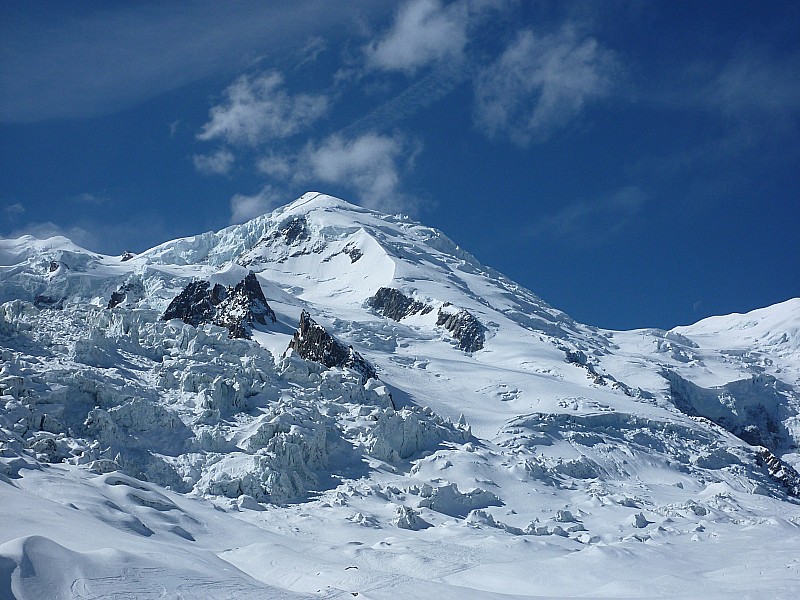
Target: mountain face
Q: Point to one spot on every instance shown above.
(327, 400)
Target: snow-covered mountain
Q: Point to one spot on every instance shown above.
(330, 402)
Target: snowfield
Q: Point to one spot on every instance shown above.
(503, 450)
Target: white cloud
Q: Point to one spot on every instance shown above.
(244, 208)
(367, 166)
(258, 109)
(315, 46)
(276, 166)
(424, 31)
(218, 163)
(540, 83)
(370, 165)
(90, 198)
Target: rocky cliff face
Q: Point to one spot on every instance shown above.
(465, 327)
(312, 342)
(396, 305)
(236, 309)
(462, 324)
(194, 305)
(780, 471)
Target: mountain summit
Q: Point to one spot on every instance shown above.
(326, 399)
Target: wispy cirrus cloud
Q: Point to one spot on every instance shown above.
(592, 222)
(258, 108)
(424, 31)
(315, 45)
(751, 95)
(216, 163)
(424, 91)
(542, 82)
(537, 84)
(754, 81)
(84, 60)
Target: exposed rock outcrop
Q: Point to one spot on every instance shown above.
(396, 305)
(579, 359)
(129, 292)
(312, 342)
(465, 327)
(353, 252)
(236, 309)
(194, 305)
(44, 301)
(780, 471)
(293, 230)
(462, 324)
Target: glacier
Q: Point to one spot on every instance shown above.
(331, 402)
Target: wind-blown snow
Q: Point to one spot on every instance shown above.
(503, 450)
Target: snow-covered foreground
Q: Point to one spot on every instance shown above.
(78, 535)
(503, 450)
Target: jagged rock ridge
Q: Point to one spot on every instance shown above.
(312, 342)
(195, 304)
(236, 309)
(244, 306)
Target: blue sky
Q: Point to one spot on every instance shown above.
(634, 163)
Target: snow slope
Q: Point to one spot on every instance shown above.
(505, 450)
